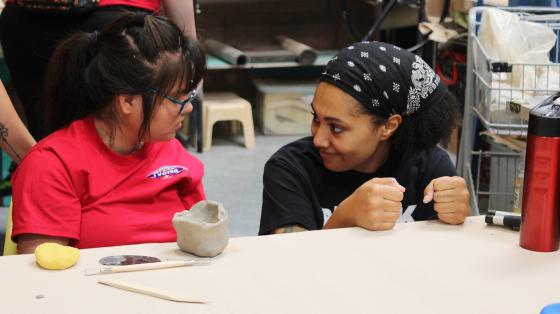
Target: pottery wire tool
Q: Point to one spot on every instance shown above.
(144, 266)
(511, 220)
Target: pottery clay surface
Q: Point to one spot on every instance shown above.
(202, 230)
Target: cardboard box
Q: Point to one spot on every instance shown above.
(434, 8)
(522, 107)
(283, 107)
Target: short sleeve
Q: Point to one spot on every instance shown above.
(195, 194)
(286, 198)
(44, 198)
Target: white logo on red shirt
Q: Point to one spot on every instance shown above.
(167, 172)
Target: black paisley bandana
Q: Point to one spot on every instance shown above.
(384, 78)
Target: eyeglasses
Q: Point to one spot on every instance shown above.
(192, 94)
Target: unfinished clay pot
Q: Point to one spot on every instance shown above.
(202, 230)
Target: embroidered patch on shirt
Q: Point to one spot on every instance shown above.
(167, 172)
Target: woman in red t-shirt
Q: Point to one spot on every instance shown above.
(112, 173)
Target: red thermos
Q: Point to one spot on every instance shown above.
(540, 224)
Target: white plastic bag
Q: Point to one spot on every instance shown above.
(507, 38)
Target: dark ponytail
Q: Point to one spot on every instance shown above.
(132, 56)
(66, 91)
(424, 130)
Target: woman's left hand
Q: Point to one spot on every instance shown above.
(451, 199)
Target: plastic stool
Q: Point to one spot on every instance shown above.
(227, 107)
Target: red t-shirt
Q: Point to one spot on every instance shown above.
(151, 5)
(72, 185)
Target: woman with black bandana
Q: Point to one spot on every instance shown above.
(378, 114)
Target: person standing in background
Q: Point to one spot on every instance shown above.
(29, 39)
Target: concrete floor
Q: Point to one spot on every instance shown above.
(233, 176)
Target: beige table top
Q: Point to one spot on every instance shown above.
(423, 267)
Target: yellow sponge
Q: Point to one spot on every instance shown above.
(55, 256)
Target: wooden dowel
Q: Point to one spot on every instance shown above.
(153, 292)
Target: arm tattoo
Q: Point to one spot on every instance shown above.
(4, 135)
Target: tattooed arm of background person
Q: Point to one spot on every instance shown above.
(15, 139)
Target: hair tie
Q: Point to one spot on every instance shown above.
(139, 18)
(93, 41)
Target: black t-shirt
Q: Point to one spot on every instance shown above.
(298, 189)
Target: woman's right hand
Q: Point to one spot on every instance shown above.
(375, 205)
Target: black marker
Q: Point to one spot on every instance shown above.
(512, 221)
(492, 212)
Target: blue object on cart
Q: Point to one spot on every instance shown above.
(551, 309)
(535, 3)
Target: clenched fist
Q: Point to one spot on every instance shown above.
(375, 205)
(451, 199)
